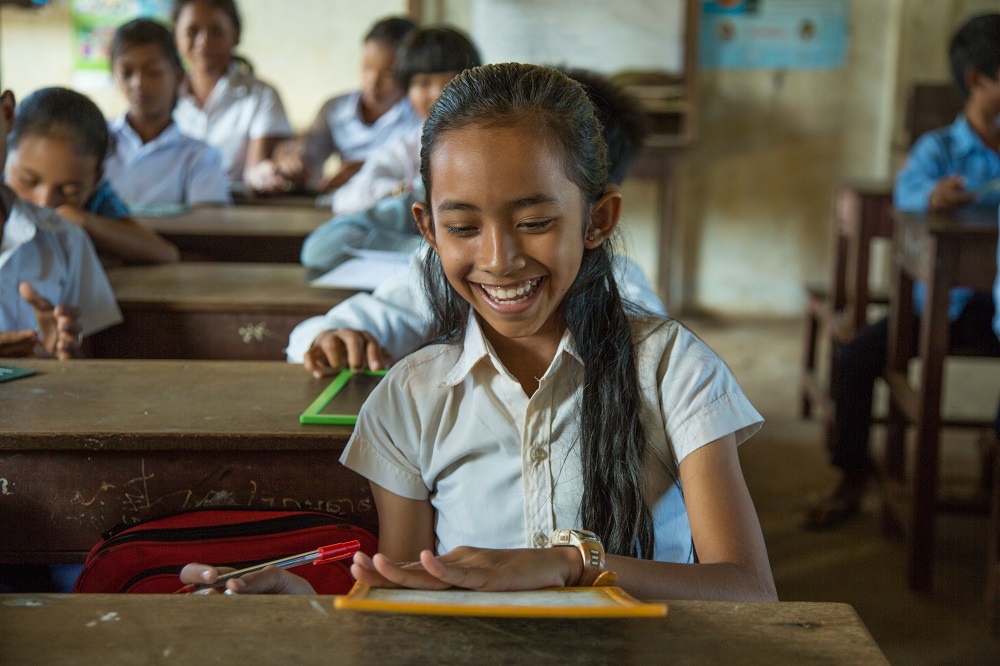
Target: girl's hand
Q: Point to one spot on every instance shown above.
(73, 214)
(264, 179)
(270, 580)
(344, 347)
(475, 569)
(58, 326)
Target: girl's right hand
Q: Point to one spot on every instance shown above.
(270, 580)
(344, 347)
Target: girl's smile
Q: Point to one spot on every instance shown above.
(509, 227)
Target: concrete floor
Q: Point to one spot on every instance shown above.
(785, 466)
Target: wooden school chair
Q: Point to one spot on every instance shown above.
(942, 251)
(861, 213)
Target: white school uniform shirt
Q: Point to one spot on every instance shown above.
(59, 261)
(393, 165)
(398, 315)
(170, 169)
(451, 425)
(239, 109)
(340, 128)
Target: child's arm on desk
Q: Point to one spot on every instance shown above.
(125, 238)
(58, 332)
(732, 559)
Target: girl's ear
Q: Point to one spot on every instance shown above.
(603, 217)
(422, 216)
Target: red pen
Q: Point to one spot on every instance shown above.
(331, 553)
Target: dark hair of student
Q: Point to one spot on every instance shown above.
(392, 30)
(145, 32)
(622, 117)
(975, 46)
(227, 7)
(612, 439)
(62, 113)
(432, 50)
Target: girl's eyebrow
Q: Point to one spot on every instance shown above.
(523, 202)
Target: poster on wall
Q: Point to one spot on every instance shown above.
(94, 24)
(773, 34)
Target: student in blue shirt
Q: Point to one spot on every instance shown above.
(57, 148)
(948, 168)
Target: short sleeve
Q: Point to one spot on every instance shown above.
(385, 446)
(699, 399)
(105, 202)
(269, 119)
(89, 289)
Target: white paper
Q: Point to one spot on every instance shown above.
(366, 270)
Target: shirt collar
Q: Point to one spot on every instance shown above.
(476, 347)
(966, 139)
(121, 130)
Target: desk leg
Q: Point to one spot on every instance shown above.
(933, 349)
(901, 339)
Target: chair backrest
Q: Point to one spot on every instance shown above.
(930, 106)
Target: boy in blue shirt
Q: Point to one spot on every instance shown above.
(947, 168)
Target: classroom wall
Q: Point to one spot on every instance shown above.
(753, 193)
(309, 54)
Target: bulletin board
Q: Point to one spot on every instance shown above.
(606, 37)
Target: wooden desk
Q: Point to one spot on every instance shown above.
(86, 445)
(240, 233)
(210, 310)
(292, 200)
(184, 629)
(942, 252)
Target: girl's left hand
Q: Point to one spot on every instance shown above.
(474, 569)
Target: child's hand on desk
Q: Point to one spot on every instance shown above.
(474, 569)
(270, 580)
(949, 193)
(263, 178)
(344, 347)
(58, 326)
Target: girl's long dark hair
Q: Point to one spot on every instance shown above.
(611, 435)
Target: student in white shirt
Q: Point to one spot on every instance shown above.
(53, 291)
(355, 124)
(368, 330)
(426, 61)
(151, 162)
(544, 408)
(221, 102)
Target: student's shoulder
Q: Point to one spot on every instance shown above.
(425, 368)
(662, 339)
(944, 141)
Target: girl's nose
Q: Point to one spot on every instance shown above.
(46, 197)
(500, 252)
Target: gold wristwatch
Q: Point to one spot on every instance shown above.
(590, 547)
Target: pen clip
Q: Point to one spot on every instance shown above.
(337, 551)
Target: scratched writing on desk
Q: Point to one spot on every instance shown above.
(138, 502)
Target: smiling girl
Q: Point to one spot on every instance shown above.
(151, 162)
(221, 102)
(546, 413)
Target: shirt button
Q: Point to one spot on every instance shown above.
(538, 454)
(541, 539)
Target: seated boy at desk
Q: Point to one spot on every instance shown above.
(53, 291)
(948, 168)
(367, 330)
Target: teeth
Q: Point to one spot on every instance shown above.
(505, 294)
